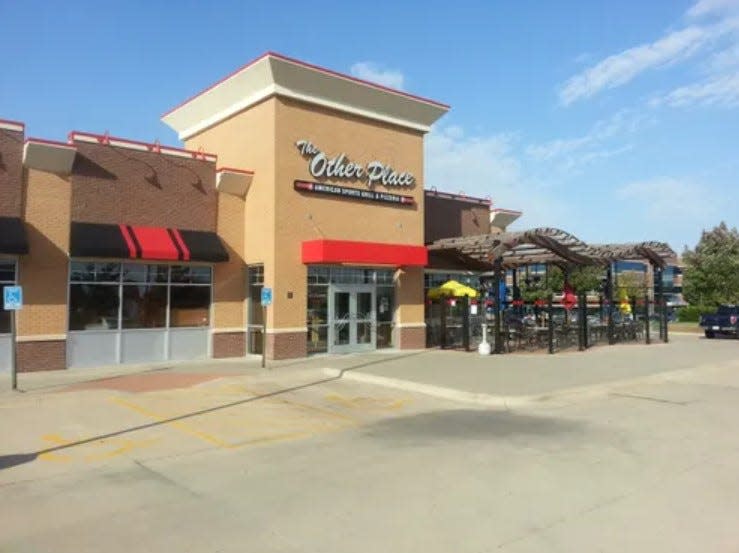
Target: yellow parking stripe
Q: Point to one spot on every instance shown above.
(179, 425)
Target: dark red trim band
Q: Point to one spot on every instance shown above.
(180, 242)
(126, 233)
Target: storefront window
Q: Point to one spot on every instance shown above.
(93, 307)
(385, 299)
(144, 306)
(255, 313)
(134, 272)
(7, 278)
(113, 296)
(189, 306)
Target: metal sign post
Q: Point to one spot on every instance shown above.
(266, 301)
(13, 301)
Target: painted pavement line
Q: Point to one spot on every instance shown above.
(213, 440)
(511, 401)
(182, 427)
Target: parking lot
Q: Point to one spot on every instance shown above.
(635, 455)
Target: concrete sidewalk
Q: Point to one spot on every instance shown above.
(499, 376)
(522, 378)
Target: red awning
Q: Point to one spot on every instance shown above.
(370, 253)
(138, 242)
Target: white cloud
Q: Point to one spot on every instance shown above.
(670, 199)
(671, 48)
(565, 158)
(722, 90)
(710, 7)
(725, 59)
(619, 69)
(622, 122)
(488, 166)
(376, 73)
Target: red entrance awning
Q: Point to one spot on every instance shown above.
(366, 253)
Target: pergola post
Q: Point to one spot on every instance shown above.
(515, 291)
(658, 300)
(582, 322)
(466, 324)
(550, 322)
(609, 299)
(497, 270)
(646, 319)
(442, 323)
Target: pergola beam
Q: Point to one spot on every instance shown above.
(550, 245)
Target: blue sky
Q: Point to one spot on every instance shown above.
(616, 121)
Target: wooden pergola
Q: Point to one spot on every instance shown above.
(545, 245)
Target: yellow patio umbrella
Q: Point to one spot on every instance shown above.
(451, 289)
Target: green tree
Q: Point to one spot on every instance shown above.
(631, 285)
(711, 274)
(582, 279)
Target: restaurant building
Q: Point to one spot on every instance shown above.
(292, 177)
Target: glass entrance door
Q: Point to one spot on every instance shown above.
(352, 315)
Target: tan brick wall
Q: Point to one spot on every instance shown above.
(11, 172)
(286, 345)
(246, 141)
(409, 295)
(229, 344)
(121, 185)
(44, 272)
(412, 338)
(48, 355)
(277, 219)
(305, 217)
(229, 284)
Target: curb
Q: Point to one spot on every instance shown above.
(554, 398)
(439, 392)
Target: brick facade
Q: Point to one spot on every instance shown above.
(122, 185)
(447, 216)
(11, 172)
(412, 337)
(229, 344)
(286, 345)
(50, 355)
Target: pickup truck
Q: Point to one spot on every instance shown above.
(724, 321)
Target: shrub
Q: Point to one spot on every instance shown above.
(691, 313)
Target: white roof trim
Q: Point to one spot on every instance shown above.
(140, 146)
(49, 156)
(273, 74)
(234, 182)
(12, 126)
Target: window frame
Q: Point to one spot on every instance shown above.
(14, 282)
(120, 283)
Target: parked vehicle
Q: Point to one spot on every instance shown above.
(724, 322)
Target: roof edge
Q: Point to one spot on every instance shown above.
(282, 57)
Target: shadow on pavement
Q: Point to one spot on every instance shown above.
(467, 424)
(15, 459)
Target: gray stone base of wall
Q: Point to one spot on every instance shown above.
(286, 345)
(50, 355)
(412, 337)
(229, 344)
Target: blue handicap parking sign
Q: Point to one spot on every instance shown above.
(266, 296)
(12, 298)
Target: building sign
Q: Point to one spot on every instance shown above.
(353, 193)
(339, 167)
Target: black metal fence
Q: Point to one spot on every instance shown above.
(549, 325)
